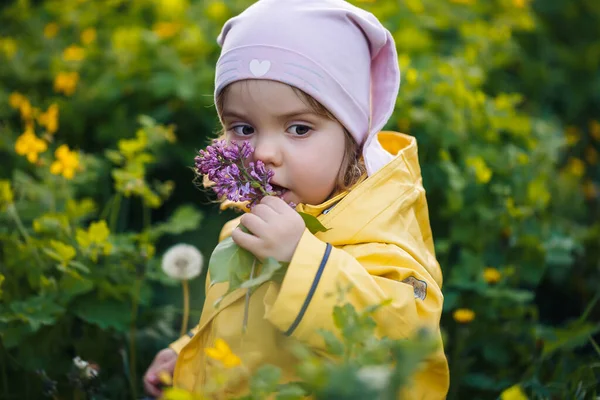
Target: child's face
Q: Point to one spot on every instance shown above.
(303, 148)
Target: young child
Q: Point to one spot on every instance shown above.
(310, 84)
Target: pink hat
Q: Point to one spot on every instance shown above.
(337, 53)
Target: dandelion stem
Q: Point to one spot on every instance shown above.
(186, 307)
(247, 301)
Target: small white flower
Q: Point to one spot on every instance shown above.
(91, 371)
(375, 376)
(182, 262)
(79, 363)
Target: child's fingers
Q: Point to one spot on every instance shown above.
(256, 225)
(265, 211)
(246, 240)
(276, 204)
(151, 385)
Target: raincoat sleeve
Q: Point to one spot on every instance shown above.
(182, 341)
(375, 272)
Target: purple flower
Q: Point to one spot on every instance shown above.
(225, 164)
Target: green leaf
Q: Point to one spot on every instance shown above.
(517, 296)
(12, 335)
(265, 381)
(106, 313)
(312, 223)
(228, 260)
(291, 392)
(79, 266)
(574, 335)
(70, 287)
(37, 311)
(332, 343)
(268, 269)
(185, 218)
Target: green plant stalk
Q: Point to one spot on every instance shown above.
(114, 212)
(4, 373)
(12, 210)
(458, 367)
(186, 307)
(132, 332)
(247, 300)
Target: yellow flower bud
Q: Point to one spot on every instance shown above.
(463, 315)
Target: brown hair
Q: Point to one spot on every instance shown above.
(352, 168)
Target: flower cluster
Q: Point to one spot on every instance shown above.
(234, 178)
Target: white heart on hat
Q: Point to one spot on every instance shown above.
(259, 68)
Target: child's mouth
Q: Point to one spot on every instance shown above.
(279, 190)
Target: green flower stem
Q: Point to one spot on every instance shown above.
(459, 367)
(186, 307)
(114, 212)
(4, 373)
(12, 210)
(132, 332)
(247, 300)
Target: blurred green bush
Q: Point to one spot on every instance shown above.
(503, 97)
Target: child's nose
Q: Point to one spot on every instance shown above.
(267, 150)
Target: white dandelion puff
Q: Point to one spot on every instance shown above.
(79, 363)
(182, 262)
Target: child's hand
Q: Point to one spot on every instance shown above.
(275, 230)
(163, 362)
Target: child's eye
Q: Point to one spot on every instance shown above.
(243, 130)
(299, 130)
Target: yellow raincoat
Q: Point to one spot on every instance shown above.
(379, 242)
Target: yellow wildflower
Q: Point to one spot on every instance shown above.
(63, 252)
(491, 275)
(513, 393)
(66, 82)
(463, 315)
(165, 30)
(180, 394)
(51, 30)
(16, 99)
(127, 39)
(26, 110)
(411, 75)
(6, 194)
(88, 36)
(49, 119)
(221, 352)
(9, 47)
(30, 145)
(591, 156)
(595, 130)
(572, 135)
(66, 163)
(575, 167)
(520, 3)
(171, 8)
(216, 11)
(74, 53)
(483, 173)
(95, 239)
